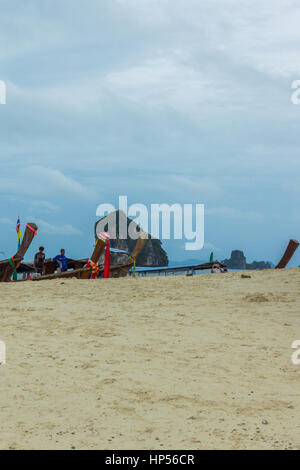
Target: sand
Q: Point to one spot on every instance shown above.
(152, 363)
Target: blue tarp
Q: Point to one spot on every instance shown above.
(116, 250)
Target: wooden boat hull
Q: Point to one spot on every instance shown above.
(120, 270)
(80, 272)
(75, 273)
(51, 266)
(6, 270)
(289, 252)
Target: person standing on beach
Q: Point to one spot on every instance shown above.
(39, 261)
(62, 260)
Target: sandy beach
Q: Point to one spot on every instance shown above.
(151, 363)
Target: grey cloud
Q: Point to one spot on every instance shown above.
(157, 99)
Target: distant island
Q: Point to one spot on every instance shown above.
(238, 260)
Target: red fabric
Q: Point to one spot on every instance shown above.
(107, 260)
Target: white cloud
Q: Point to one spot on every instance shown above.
(202, 53)
(59, 229)
(171, 101)
(162, 81)
(55, 180)
(41, 181)
(44, 206)
(262, 35)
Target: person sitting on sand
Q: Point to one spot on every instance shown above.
(62, 260)
(39, 261)
(216, 268)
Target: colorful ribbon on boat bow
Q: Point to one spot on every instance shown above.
(95, 270)
(32, 229)
(133, 267)
(12, 263)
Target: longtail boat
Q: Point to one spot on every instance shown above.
(80, 270)
(8, 267)
(84, 272)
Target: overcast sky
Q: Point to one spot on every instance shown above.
(165, 101)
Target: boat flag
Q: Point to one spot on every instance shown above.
(211, 259)
(19, 234)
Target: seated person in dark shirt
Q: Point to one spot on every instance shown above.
(62, 260)
(39, 261)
